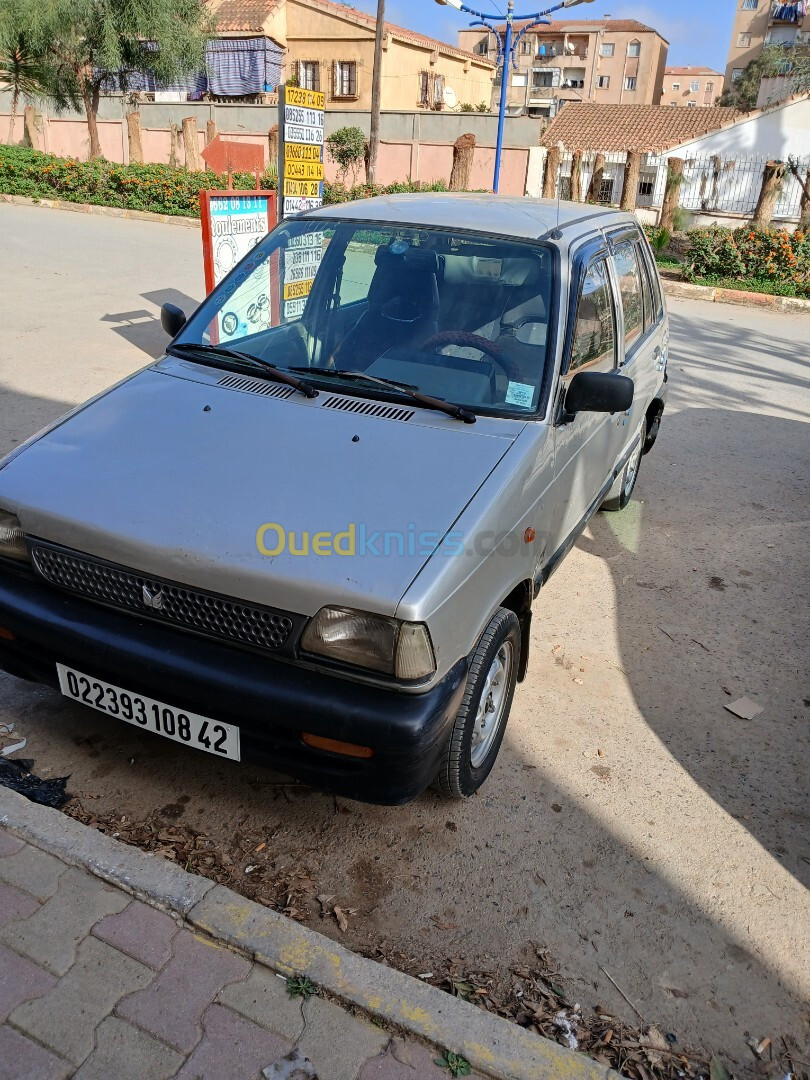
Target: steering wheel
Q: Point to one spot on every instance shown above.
(474, 341)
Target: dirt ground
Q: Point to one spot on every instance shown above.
(634, 831)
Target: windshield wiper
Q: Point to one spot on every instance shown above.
(211, 352)
(412, 391)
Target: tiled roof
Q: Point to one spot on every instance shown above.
(243, 15)
(691, 71)
(587, 26)
(398, 31)
(589, 126)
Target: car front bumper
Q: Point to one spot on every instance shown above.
(272, 702)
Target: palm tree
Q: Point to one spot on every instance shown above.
(20, 72)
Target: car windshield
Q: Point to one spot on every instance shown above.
(461, 317)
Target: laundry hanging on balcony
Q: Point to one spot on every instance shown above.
(792, 12)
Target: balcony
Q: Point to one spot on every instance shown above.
(793, 12)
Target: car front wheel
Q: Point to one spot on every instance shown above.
(479, 726)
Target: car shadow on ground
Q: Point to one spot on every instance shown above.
(141, 327)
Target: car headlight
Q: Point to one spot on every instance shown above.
(12, 537)
(391, 646)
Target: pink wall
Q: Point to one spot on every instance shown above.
(397, 161)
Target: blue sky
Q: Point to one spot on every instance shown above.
(698, 31)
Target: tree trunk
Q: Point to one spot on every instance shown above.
(595, 185)
(374, 136)
(463, 152)
(576, 176)
(210, 131)
(550, 175)
(174, 146)
(672, 188)
(632, 167)
(30, 123)
(804, 206)
(15, 100)
(191, 144)
(772, 176)
(134, 137)
(90, 100)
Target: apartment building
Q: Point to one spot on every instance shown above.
(765, 22)
(329, 46)
(610, 61)
(694, 87)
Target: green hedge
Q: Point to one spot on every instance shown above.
(772, 257)
(157, 188)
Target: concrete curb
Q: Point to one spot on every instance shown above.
(491, 1044)
(685, 290)
(104, 211)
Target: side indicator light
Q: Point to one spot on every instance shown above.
(334, 746)
(7, 635)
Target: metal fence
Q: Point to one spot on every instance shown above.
(731, 184)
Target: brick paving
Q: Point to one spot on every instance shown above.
(95, 984)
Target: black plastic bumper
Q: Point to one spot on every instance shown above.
(272, 702)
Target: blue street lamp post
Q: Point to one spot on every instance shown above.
(506, 52)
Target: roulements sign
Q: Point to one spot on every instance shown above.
(300, 149)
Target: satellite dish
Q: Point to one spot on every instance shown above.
(450, 98)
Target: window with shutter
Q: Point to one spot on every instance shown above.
(438, 91)
(424, 88)
(309, 74)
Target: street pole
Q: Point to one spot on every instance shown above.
(505, 59)
(505, 66)
(374, 133)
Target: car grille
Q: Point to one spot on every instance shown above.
(203, 612)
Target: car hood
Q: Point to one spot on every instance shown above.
(174, 476)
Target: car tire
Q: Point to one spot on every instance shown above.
(622, 490)
(475, 740)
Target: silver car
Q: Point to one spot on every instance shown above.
(310, 535)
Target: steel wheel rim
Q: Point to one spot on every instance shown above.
(491, 705)
(632, 469)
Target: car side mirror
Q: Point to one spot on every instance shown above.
(597, 391)
(172, 319)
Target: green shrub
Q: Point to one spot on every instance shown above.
(156, 188)
(773, 255)
(347, 148)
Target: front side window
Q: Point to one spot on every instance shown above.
(593, 341)
(625, 259)
(459, 317)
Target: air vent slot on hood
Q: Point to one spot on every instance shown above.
(368, 408)
(256, 386)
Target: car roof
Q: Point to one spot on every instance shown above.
(522, 218)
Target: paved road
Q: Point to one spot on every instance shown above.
(631, 825)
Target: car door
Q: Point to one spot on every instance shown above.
(583, 445)
(642, 344)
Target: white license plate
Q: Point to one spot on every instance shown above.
(182, 726)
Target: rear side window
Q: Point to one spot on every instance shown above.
(625, 258)
(593, 329)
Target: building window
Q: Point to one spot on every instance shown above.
(519, 78)
(482, 48)
(694, 86)
(676, 86)
(736, 74)
(630, 82)
(542, 79)
(605, 192)
(424, 88)
(743, 41)
(309, 74)
(603, 82)
(438, 91)
(709, 89)
(692, 104)
(646, 186)
(749, 5)
(634, 48)
(344, 83)
(674, 104)
(525, 46)
(607, 48)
